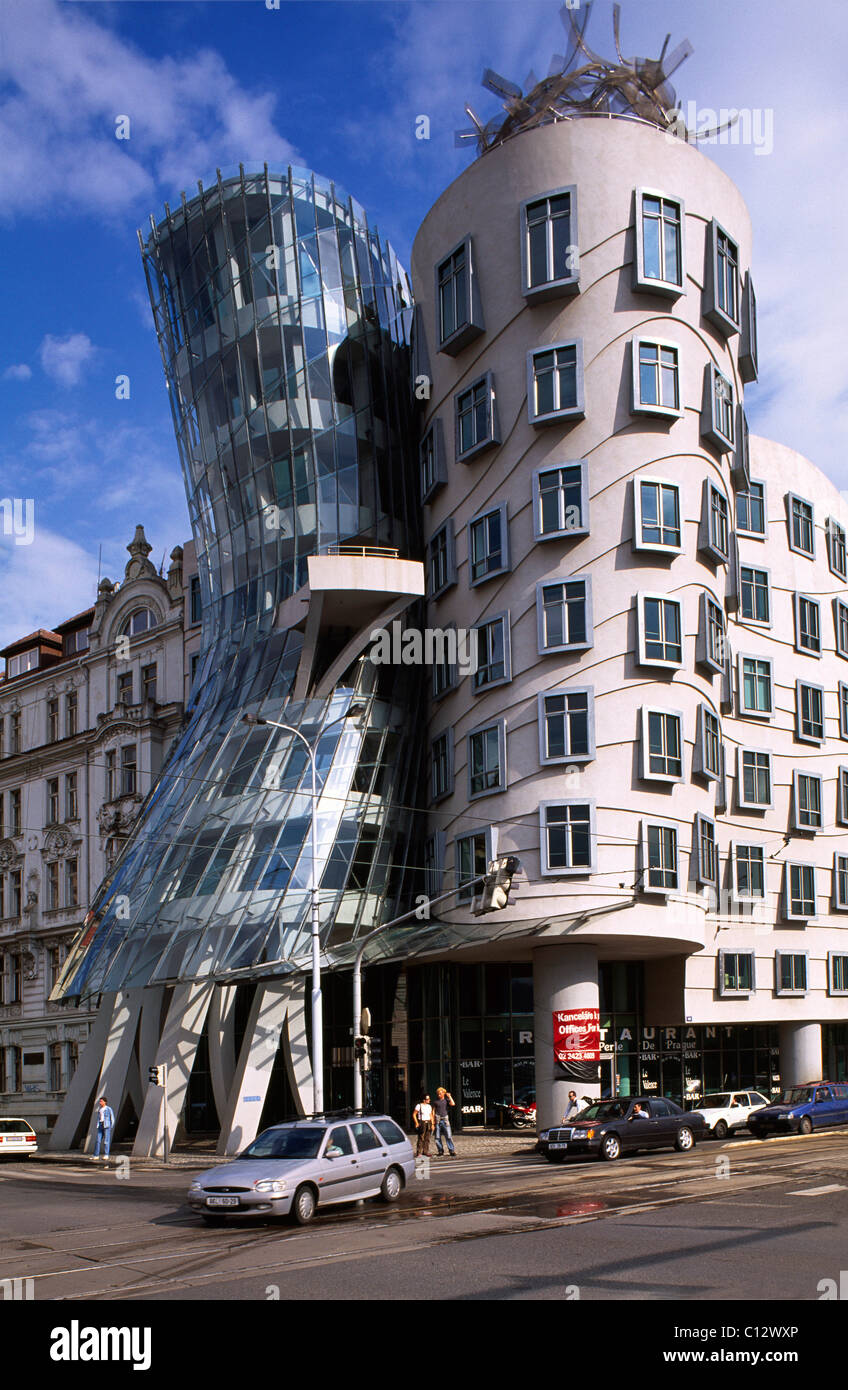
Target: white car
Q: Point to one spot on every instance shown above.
(726, 1111)
(17, 1137)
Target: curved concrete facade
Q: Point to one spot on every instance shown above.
(612, 904)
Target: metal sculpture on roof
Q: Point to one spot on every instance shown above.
(583, 83)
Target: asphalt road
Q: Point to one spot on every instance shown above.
(735, 1221)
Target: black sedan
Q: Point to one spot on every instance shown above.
(624, 1124)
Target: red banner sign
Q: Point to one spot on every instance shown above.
(577, 1041)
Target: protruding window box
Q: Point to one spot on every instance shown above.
(655, 378)
(657, 522)
(736, 974)
(791, 972)
(748, 367)
(459, 313)
(718, 411)
(555, 383)
(799, 892)
(550, 261)
(659, 265)
(721, 280)
(660, 872)
(432, 464)
(567, 837)
(476, 419)
(561, 500)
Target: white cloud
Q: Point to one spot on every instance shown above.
(64, 359)
(43, 583)
(18, 371)
(68, 79)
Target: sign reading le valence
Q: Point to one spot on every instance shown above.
(577, 1042)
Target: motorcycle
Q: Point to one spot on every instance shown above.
(517, 1116)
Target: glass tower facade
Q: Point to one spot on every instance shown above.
(283, 323)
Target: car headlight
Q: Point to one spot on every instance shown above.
(196, 1186)
(544, 1134)
(269, 1185)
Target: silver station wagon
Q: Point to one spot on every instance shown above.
(292, 1169)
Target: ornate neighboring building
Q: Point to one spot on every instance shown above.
(88, 710)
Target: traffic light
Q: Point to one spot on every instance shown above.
(156, 1076)
(496, 884)
(362, 1052)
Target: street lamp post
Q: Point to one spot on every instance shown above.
(315, 915)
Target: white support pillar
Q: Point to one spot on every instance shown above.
(272, 1003)
(77, 1102)
(221, 1036)
(564, 977)
(180, 1037)
(800, 1053)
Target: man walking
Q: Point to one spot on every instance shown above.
(422, 1117)
(442, 1121)
(105, 1121)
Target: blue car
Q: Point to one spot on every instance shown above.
(801, 1109)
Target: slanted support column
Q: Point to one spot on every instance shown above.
(564, 977)
(76, 1107)
(177, 1048)
(275, 1004)
(800, 1053)
(221, 1035)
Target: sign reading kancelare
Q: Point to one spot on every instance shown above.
(577, 1043)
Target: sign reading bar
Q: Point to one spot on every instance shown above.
(577, 1043)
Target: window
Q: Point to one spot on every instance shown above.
(441, 766)
(567, 725)
(15, 744)
(656, 378)
(755, 595)
(735, 972)
(657, 520)
(837, 964)
(472, 862)
(807, 801)
(842, 796)
(790, 969)
(111, 783)
(802, 534)
(125, 689)
(748, 343)
(434, 864)
(715, 523)
(659, 264)
(487, 759)
(476, 426)
(55, 1082)
(493, 655)
(71, 883)
(431, 461)
(721, 286)
(712, 635)
(718, 410)
(52, 721)
(23, 662)
(660, 630)
(52, 886)
(843, 710)
(70, 714)
(555, 382)
(741, 461)
(2, 821)
(836, 555)
(564, 615)
(809, 713)
(561, 500)
(55, 959)
(840, 891)
(748, 880)
(800, 891)
(659, 857)
(76, 641)
(458, 309)
(807, 625)
(662, 745)
(567, 830)
(708, 748)
(549, 256)
(706, 850)
(52, 800)
(128, 770)
(148, 683)
(840, 627)
(755, 686)
(15, 811)
(15, 891)
(445, 663)
(753, 777)
(441, 555)
(488, 545)
(751, 510)
(141, 620)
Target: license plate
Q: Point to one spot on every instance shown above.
(222, 1201)
(557, 1146)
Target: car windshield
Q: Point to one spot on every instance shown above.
(713, 1103)
(604, 1110)
(285, 1143)
(798, 1095)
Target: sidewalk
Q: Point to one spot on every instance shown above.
(480, 1144)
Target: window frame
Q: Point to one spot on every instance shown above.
(668, 663)
(451, 667)
(447, 530)
(718, 316)
(489, 832)
(708, 543)
(793, 990)
(647, 824)
(798, 599)
(702, 875)
(736, 895)
(656, 547)
(447, 736)
(499, 725)
(704, 644)
(743, 710)
(797, 824)
(833, 989)
(645, 772)
(711, 426)
(788, 914)
(541, 585)
(837, 548)
(792, 497)
(473, 325)
(550, 760)
(503, 618)
(641, 280)
(800, 736)
(748, 348)
(755, 570)
(735, 991)
(637, 405)
(746, 492)
(499, 509)
(563, 284)
(699, 758)
(575, 412)
(842, 795)
(842, 697)
(492, 439)
(742, 802)
(840, 631)
(434, 434)
(564, 531)
(544, 844)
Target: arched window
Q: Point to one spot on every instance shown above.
(140, 620)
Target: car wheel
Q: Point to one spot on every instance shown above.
(806, 1126)
(685, 1140)
(610, 1147)
(391, 1186)
(212, 1220)
(720, 1129)
(303, 1206)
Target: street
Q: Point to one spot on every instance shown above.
(739, 1220)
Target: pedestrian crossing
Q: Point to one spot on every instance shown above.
(497, 1163)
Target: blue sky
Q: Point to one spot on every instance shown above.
(335, 85)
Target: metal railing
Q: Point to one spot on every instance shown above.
(382, 552)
